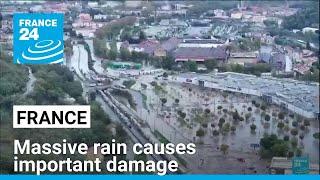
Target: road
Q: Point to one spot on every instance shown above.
(129, 120)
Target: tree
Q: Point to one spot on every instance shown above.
(294, 123)
(253, 127)
(226, 127)
(207, 111)
(191, 66)
(92, 96)
(163, 101)
(204, 125)
(301, 136)
(112, 54)
(142, 36)
(221, 121)
(270, 23)
(200, 133)
(316, 135)
(298, 152)
(280, 149)
(267, 117)
(306, 123)
(167, 62)
(124, 54)
(294, 132)
(294, 143)
(233, 129)
(224, 148)
(249, 109)
(247, 116)
(177, 101)
(281, 115)
(215, 132)
(306, 17)
(100, 48)
(235, 115)
(272, 146)
(280, 125)
(210, 64)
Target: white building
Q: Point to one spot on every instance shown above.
(310, 29)
(236, 15)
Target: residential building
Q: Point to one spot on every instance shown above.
(281, 63)
(265, 54)
(201, 43)
(236, 15)
(310, 29)
(197, 54)
(243, 58)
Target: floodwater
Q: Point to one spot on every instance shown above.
(164, 119)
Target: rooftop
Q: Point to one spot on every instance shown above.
(299, 93)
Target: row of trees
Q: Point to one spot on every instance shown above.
(306, 17)
(255, 69)
(110, 32)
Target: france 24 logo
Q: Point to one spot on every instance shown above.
(37, 38)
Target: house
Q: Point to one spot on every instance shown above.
(171, 44)
(243, 58)
(201, 43)
(219, 13)
(183, 54)
(265, 54)
(148, 46)
(236, 15)
(84, 20)
(93, 4)
(159, 52)
(281, 63)
(258, 18)
(309, 29)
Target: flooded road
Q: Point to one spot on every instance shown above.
(163, 118)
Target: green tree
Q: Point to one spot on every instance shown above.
(124, 54)
(280, 125)
(215, 132)
(200, 133)
(267, 117)
(163, 101)
(253, 127)
(316, 135)
(233, 129)
(224, 148)
(167, 62)
(210, 64)
(191, 66)
(294, 132)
